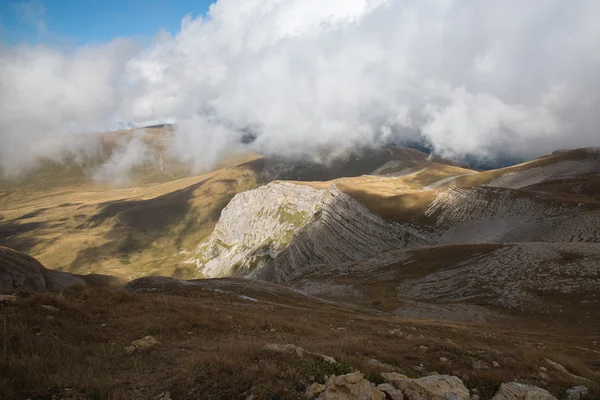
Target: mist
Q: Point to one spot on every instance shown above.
(467, 78)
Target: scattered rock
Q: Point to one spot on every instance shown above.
(144, 344)
(519, 391)
(577, 392)
(50, 308)
(314, 390)
(378, 364)
(163, 396)
(390, 392)
(562, 369)
(544, 376)
(350, 386)
(7, 298)
(479, 364)
(435, 387)
(299, 351)
(495, 364)
(444, 360)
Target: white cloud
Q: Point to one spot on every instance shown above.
(478, 77)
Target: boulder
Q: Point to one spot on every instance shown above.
(314, 390)
(350, 386)
(519, 391)
(577, 393)
(146, 343)
(434, 387)
(299, 351)
(7, 298)
(390, 392)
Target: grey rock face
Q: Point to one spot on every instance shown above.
(497, 215)
(434, 387)
(577, 393)
(519, 391)
(257, 225)
(273, 231)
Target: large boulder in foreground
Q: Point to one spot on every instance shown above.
(350, 386)
(434, 387)
(22, 273)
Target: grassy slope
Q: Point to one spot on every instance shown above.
(213, 345)
(125, 232)
(403, 199)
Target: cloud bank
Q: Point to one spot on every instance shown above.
(485, 78)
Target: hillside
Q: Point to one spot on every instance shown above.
(386, 260)
(234, 338)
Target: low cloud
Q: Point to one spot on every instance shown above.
(482, 78)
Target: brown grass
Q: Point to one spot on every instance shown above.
(213, 346)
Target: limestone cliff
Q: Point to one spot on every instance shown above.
(274, 230)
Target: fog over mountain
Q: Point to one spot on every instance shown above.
(481, 78)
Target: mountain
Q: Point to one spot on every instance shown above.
(384, 260)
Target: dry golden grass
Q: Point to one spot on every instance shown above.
(213, 345)
(125, 232)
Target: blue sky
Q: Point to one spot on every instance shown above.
(81, 22)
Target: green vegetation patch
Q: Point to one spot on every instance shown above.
(295, 218)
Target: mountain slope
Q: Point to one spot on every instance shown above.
(271, 231)
(22, 273)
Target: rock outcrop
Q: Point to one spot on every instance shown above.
(22, 273)
(434, 387)
(519, 391)
(350, 386)
(500, 215)
(271, 232)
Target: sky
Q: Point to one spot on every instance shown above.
(481, 78)
(84, 22)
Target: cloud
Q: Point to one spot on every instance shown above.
(482, 77)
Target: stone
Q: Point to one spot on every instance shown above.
(146, 343)
(391, 392)
(164, 396)
(544, 376)
(475, 397)
(444, 360)
(7, 298)
(129, 349)
(577, 392)
(350, 386)
(495, 364)
(561, 368)
(480, 364)
(434, 387)
(314, 390)
(378, 364)
(299, 351)
(50, 308)
(519, 391)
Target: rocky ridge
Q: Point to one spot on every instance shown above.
(270, 232)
